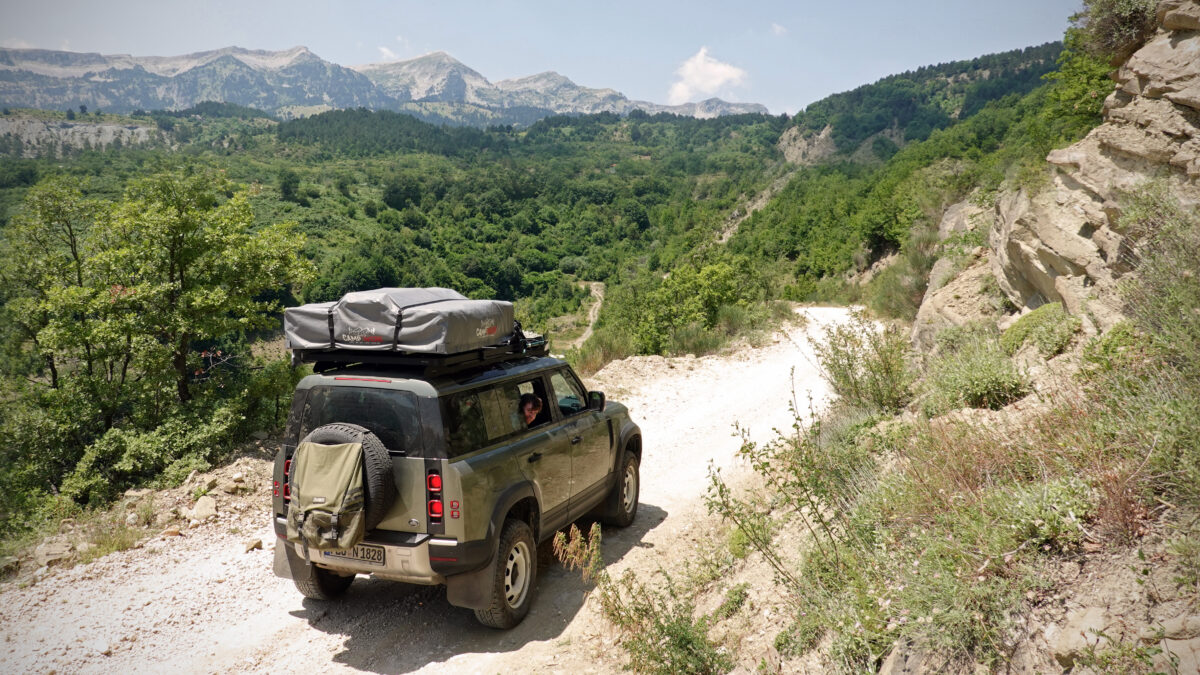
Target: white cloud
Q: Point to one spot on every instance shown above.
(777, 30)
(388, 54)
(14, 43)
(702, 75)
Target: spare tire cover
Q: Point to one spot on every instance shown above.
(379, 485)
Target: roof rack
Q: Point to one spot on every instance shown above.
(324, 360)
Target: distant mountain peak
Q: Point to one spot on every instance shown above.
(544, 80)
(297, 81)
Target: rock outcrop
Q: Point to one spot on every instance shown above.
(807, 150)
(1065, 244)
(32, 137)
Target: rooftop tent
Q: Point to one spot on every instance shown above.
(408, 320)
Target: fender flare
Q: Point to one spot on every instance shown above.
(504, 503)
(474, 589)
(629, 431)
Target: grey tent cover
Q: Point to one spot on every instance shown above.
(415, 320)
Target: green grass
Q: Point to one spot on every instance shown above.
(735, 598)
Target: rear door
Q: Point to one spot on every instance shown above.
(547, 465)
(588, 437)
(490, 417)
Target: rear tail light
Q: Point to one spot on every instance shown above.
(287, 478)
(433, 484)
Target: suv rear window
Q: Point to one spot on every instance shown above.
(389, 414)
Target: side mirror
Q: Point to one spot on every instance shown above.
(596, 400)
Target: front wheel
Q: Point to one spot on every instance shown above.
(623, 500)
(512, 584)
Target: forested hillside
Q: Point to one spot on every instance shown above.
(916, 103)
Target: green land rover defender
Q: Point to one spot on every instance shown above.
(460, 476)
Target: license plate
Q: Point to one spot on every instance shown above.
(366, 553)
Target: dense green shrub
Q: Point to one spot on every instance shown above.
(866, 364)
(972, 370)
(897, 291)
(1049, 327)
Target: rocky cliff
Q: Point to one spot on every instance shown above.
(32, 137)
(1065, 243)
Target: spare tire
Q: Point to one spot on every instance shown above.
(379, 485)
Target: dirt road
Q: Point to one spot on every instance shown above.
(202, 603)
(597, 289)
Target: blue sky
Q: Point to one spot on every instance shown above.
(784, 55)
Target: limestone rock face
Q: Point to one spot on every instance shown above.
(1065, 244)
(959, 218)
(958, 302)
(797, 149)
(1179, 15)
(41, 138)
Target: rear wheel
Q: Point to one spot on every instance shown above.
(323, 584)
(512, 584)
(623, 500)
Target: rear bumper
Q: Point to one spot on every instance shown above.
(409, 557)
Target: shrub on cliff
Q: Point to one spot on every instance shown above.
(1116, 28)
(1049, 327)
(866, 365)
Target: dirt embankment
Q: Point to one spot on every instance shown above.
(202, 602)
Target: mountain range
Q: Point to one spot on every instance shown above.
(296, 82)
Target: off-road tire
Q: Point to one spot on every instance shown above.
(323, 584)
(379, 484)
(515, 577)
(622, 505)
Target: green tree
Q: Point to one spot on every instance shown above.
(289, 185)
(190, 265)
(170, 264)
(45, 248)
(1080, 85)
(402, 192)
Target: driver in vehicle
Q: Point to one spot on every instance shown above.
(530, 406)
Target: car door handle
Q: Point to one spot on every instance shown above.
(576, 440)
(535, 457)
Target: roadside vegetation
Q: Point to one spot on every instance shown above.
(927, 529)
(930, 517)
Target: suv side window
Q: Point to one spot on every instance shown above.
(500, 410)
(466, 430)
(475, 419)
(568, 394)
